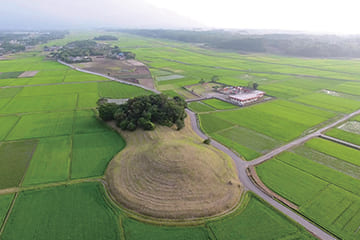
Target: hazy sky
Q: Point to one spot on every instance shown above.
(308, 15)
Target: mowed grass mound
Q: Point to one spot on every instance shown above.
(326, 196)
(257, 221)
(78, 211)
(170, 174)
(14, 160)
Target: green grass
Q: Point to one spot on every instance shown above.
(66, 212)
(336, 150)
(251, 139)
(258, 221)
(6, 124)
(218, 104)
(9, 92)
(5, 201)
(118, 90)
(329, 102)
(327, 160)
(60, 89)
(337, 210)
(50, 162)
(245, 152)
(87, 100)
(92, 153)
(199, 107)
(40, 104)
(135, 230)
(6, 75)
(14, 160)
(344, 135)
(279, 120)
(43, 125)
(211, 123)
(325, 195)
(276, 174)
(75, 76)
(87, 122)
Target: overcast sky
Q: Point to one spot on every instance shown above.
(333, 16)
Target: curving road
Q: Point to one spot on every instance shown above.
(242, 165)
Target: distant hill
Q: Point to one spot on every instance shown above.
(297, 44)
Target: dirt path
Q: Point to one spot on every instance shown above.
(242, 166)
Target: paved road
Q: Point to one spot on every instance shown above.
(241, 166)
(108, 77)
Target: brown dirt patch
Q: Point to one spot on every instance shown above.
(172, 174)
(148, 82)
(128, 70)
(28, 74)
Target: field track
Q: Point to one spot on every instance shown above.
(242, 165)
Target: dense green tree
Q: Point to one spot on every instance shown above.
(144, 111)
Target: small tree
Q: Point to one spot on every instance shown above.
(215, 78)
(202, 81)
(207, 141)
(255, 86)
(107, 110)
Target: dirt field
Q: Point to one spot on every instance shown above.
(28, 74)
(128, 70)
(172, 174)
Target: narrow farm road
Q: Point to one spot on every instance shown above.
(242, 165)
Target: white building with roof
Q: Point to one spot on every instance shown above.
(248, 97)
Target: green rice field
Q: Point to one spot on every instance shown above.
(54, 150)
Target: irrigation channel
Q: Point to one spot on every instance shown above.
(243, 165)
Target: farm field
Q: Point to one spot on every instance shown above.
(325, 195)
(218, 104)
(14, 159)
(199, 107)
(50, 135)
(77, 211)
(255, 130)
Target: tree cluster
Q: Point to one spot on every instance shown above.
(16, 42)
(144, 112)
(80, 51)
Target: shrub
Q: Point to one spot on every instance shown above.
(207, 141)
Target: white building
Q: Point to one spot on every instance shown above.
(249, 97)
